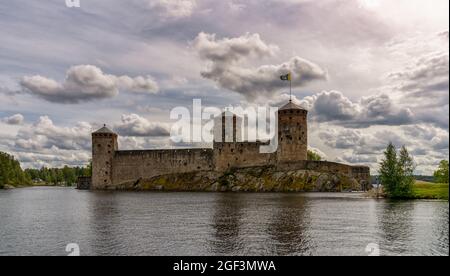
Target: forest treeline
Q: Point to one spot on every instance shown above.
(11, 174)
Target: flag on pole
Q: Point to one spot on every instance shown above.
(286, 77)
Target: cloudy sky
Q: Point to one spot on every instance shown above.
(369, 72)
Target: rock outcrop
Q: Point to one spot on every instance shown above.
(255, 179)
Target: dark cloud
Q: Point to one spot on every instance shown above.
(16, 119)
(333, 106)
(225, 57)
(426, 78)
(85, 83)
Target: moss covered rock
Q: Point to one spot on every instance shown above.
(258, 179)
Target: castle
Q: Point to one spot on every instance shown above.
(113, 168)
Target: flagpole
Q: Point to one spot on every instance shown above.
(290, 87)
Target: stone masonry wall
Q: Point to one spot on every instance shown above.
(131, 166)
(240, 155)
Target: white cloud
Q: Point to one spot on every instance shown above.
(173, 9)
(85, 83)
(44, 134)
(135, 125)
(335, 107)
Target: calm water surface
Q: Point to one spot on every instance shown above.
(41, 221)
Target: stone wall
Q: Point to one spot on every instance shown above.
(130, 166)
(84, 182)
(240, 155)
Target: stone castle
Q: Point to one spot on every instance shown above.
(229, 165)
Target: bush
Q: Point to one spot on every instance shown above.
(313, 156)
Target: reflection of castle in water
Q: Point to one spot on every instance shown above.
(283, 230)
(226, 222)
(289, 226)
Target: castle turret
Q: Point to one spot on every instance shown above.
(104, 144)
(292, 133)
(227, 128)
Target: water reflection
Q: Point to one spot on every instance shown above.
(288, 226)
(228, 212)
(104, 217)
(395, 223)
(43, 221)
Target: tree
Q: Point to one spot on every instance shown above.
(11, 173)
(313, 156)
(397, 173)
(406, 167)
(389, 171)
(441, 174)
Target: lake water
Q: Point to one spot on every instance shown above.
(42, 221)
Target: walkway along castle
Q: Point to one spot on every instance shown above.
(230, 165)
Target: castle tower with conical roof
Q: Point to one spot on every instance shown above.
(292, 133)
(104, 145)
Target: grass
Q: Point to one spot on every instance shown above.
(427, 190)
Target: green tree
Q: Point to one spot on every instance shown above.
(406, 167)
(11, 173)
(397, 173)
(389, 170)
(313, 156)
(69, 175)
(441, 174)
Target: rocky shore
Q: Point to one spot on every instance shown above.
(257, 179)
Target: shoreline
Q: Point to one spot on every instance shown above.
(345, 194)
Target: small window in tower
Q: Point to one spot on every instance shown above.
(232, 150)
(107, 162)
(99, 145)
(290, 118)
(109, 146)
(109, 151)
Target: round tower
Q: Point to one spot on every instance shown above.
(104, 144)
(292, 133)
